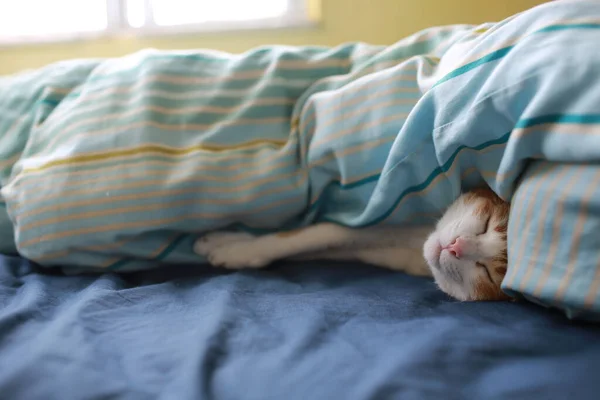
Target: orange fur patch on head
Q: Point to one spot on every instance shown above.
(502, 258)
(490, 205)
(487, 291)
(501, 228)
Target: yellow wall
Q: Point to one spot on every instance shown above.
(373, 21)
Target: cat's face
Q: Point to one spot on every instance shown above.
(467, 251)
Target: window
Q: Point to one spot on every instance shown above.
(55, 20)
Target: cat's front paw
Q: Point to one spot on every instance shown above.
(231, 250)
(236, 256)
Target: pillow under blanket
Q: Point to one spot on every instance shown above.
(553, 238)
(120, 163)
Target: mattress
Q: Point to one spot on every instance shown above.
(295, 331)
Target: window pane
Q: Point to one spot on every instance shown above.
(136, 13)
(30, 18)
(181, 12)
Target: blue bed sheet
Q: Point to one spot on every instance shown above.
(299, 331)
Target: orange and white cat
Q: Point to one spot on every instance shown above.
(465, 253)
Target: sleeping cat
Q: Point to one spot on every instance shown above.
(465, 253)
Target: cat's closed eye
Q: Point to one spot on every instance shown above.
(487, 271)
(486, 226)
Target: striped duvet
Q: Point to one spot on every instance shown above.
(120, 163)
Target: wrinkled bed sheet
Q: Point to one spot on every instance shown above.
(302, 331)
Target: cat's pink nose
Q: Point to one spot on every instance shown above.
(456, 248)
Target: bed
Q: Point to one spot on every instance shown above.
(297, 331)
(112, 168)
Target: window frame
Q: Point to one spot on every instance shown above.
(298, 16)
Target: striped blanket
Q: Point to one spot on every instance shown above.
(120, 163)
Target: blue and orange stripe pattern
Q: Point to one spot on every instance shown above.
(119, 164)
